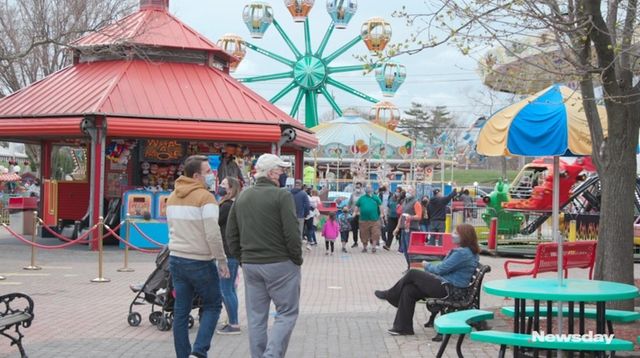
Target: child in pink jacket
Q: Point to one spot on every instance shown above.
(330, 231)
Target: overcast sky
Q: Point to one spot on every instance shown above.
(441, 76)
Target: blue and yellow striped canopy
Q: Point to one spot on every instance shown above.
(551, 122)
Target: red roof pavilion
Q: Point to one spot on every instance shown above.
(147, 75)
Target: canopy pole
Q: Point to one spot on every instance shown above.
(556, 236)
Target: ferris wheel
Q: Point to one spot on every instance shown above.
(310, 71)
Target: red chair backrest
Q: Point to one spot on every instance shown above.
(579, 253)
(546, 257)
(417, 244)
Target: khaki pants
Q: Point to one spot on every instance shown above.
(370, 232)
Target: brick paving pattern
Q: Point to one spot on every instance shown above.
(339, 317)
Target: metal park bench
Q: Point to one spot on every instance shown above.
(458, 299)
(16, 311)
(579, 254)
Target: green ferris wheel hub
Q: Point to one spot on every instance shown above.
(310, 72)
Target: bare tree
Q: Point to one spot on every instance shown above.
(35, 35)
(594, 44)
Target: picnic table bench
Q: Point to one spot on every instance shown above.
(611, 316)
(458, 323)
(16, 310)
(579, 254)
(505, 339)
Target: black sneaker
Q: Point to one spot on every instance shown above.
(393, 332)
(385, 247)
(380, 294)
(354, 245)
(229, 330)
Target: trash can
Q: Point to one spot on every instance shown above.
(21, 214)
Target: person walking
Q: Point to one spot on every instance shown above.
(369, 209)
(311, 222)
(263, 231)
(409, 221)
(344, 219)
(195, 242)
(330, 232)
(228, 191)
(424, 221)
(392, 220)
(355, 217)
(437, 211)
(302, 205)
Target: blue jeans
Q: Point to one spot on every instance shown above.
(190, 278)
(404, 244)
(228, 291)
(311, 231)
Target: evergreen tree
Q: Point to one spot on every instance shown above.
(426, 124)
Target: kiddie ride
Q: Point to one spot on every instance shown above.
(525, 205)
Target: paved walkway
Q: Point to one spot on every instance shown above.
(340, 317)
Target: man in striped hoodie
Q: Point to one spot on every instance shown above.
(196, 246)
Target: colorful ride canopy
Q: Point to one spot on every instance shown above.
(551, 122)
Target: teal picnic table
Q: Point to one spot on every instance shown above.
(571, 291)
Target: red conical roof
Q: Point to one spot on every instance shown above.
(151, 26)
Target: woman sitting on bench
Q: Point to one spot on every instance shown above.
(457, 268)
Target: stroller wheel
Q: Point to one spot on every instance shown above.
(164, 324)
(134, 319)
(191, 321)
(154, 317)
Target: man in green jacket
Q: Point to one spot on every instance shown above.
(262, 230)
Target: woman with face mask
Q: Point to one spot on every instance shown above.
(228, 190)
(456, 269)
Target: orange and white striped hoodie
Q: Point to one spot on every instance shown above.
(192, 215)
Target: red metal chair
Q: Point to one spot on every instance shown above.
(418, 246)
(579, 254)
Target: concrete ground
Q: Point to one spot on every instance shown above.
(339, 316)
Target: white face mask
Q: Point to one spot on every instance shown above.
(455, 238)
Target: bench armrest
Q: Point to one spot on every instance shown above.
(516, 262)
(11, 303)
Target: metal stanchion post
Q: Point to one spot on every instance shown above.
(100, 252)
(32, 265)
(126, 267)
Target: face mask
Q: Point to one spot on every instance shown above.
(222, 191)
(282, 180)
(209, 180)
(369, 191)
(358, 190)
(408, 196)
(455, 238)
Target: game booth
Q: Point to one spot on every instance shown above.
(115, 125)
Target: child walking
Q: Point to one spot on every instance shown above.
(330, 231)
(344, 219)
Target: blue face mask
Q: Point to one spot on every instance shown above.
(222, 191)
(209, 180)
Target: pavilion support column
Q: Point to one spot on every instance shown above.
(96, 128)
(299, 164)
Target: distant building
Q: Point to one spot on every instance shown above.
(14, 151)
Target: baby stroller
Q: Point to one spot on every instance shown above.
(157, 290)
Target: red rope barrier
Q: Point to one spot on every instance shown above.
(144, 236)
(79, 240)
(114, 229)
(130, 245)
